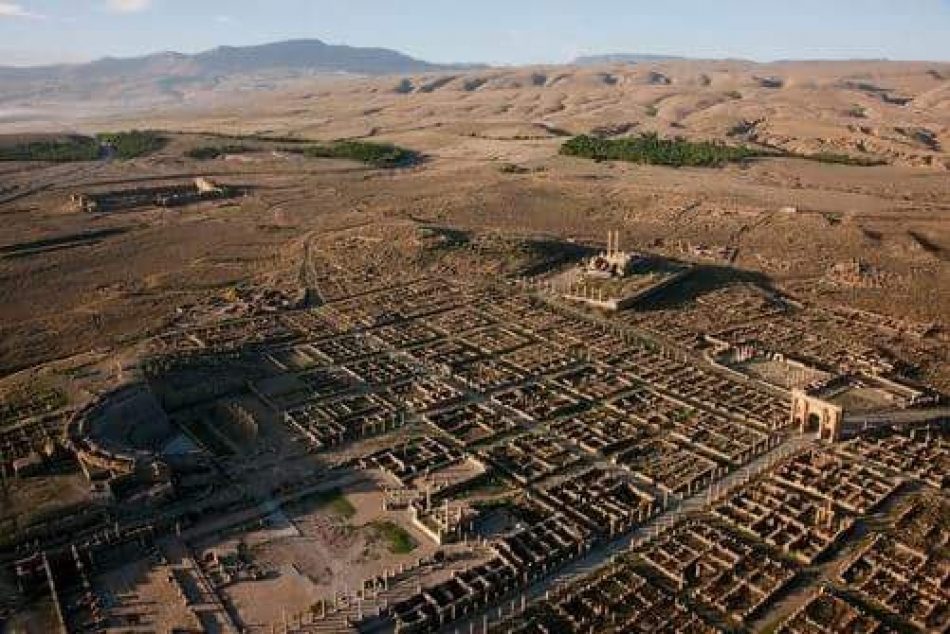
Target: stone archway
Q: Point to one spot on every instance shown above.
(813, 415)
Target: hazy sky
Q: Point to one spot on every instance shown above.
(493, 31)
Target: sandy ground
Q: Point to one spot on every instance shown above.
(141, 590)
(313, 552)
(39, 497)
(139, 268)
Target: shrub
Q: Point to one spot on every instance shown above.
(858, 112)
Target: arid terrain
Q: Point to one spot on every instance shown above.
(889, 222)
(255, 407)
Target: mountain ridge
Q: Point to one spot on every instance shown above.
(311, 55)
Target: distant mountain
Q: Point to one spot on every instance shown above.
(623, 58)
(171, 73)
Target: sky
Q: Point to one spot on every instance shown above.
(485, 31)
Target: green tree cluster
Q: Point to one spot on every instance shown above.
(207, 152)
(74, 148)
(376, 154)
(843, 159)
(134, 143)
(652, 150)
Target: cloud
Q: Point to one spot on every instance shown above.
(14, 10)
(224, 19)
(128, 6)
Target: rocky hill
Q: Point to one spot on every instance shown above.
(171, 74)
